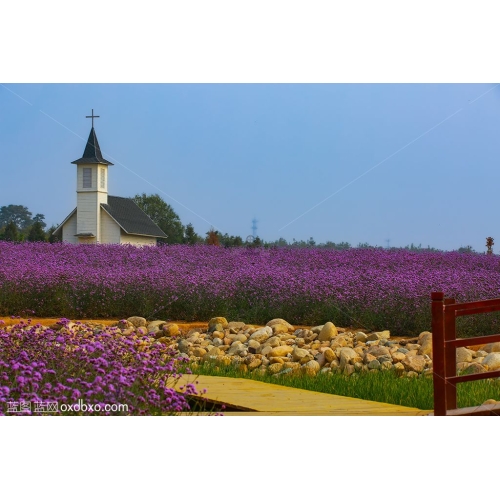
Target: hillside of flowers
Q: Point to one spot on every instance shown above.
(372, 289)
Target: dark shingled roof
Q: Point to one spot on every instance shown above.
(92, 153)
(131, 218)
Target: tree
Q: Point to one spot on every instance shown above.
(36, 232)
(11, 233)
(41, 219)
(212, 238)
(50, 237)
(190, 235)
(163, 215)
(18, 214)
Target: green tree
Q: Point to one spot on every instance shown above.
(163, 215)
(41, 219)
(50, 237)
(11, 233)
(18, 214)
(190, 235)
(36, 232)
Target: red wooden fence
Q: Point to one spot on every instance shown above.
(444, 345)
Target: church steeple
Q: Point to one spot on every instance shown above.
(92, 153)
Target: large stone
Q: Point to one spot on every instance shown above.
(385, 334)
(273, 342)
(254, 346)
(213, 354)
(237, 336)
(137, 321)
(170, 329)
(361, 337)
(154, 326)
(237, 348)
(183, 346)
(280, 351)
(492, 361)
(275, 368)
(329, 355)
(414, 363)
(298, 354)
(311, 367)
(425, 341)
(464, 355)
(236, 325)
(328, 332)
(279, 321)
(217, 324)
(493, 347)
(279, 328)
(378, 350)
(199, 352)
(261, 335)
(474, 368)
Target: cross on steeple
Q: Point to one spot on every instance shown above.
(92, 116)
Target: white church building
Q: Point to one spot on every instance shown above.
(99, 217)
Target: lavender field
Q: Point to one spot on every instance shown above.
(372, 289)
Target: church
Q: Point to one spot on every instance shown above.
(99, 217)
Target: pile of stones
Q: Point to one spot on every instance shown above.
(279, 349)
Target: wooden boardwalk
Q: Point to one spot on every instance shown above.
(250, 397)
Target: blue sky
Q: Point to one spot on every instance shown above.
(413, 163)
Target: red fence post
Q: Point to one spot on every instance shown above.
(438, 364)
(450, 355)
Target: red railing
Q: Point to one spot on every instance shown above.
(444, 345)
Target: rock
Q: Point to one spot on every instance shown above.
(490, 402)
(183, 346)
(298, 354)
(311, 367)
(279, 351)
(137, 321)
(236, 349)
(236, 325)
(276, 359)
(255, 363)
(378, 336)
(308, 357)
(474, 368)
(279, 328)
(217, 324)
(279, 321)
(464, 355)
(398, 356)
(273, 342)
(378, 350)
(493, 347)
(329, 355)
(361, 337)
(374, 365)
(213, 354)
(415, 363)
(199, 352)
(321, 359)
(261, 335)
(253, 346)
(217, 342)
(275, 368)
(348, 370)
(386, 365)
(398, 367)
(142, 330)
(154, 326)
(492, 361)
(425, 341)
(328, 332)
(170, 329)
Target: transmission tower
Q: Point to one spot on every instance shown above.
(388, 243)
(254, 227)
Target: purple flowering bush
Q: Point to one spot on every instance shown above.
(97, 367)
(372, 289)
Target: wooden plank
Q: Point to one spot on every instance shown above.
(253, 396)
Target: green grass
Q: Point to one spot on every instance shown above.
(382, 386)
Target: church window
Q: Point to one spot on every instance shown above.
(87, 177)
(103, 178)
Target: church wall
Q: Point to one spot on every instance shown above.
(69, 230)
(110, 230)
(134, 239)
